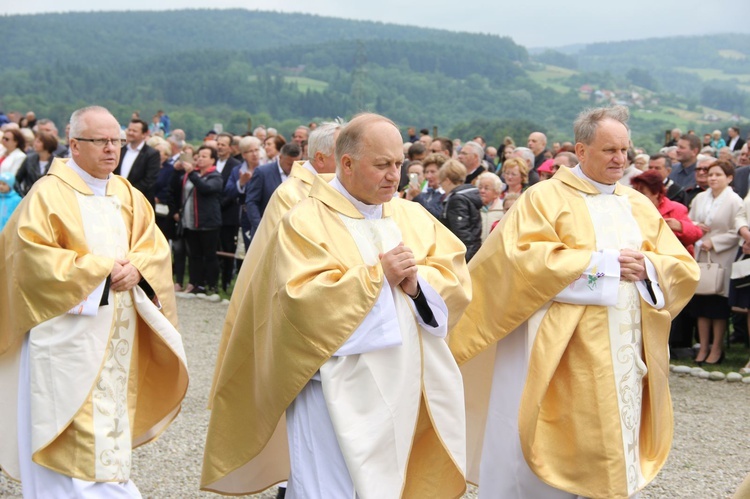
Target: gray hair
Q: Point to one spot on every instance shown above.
(76, 119)
(173, 139)
(702, 158)
(478, 149)
(322, 139)
(497, 184)
(526, 154)
(246, 142)
(585, 125)
(47, 121)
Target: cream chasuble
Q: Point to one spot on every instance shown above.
(95, 381)
(392, 410)
(573, 399)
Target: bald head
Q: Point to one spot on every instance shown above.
(537, 142)
(369, 155)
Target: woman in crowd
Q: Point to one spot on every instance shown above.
(717, 142)
(202, 186)
(36, 163)
(516, 175)
(651, 185)
(14, 155)
(507, 142)
(715, 211)
(490, 187)
(641, 161)
(273, 145)
(461, 206)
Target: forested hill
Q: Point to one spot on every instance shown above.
(240, 67)
(100, 37)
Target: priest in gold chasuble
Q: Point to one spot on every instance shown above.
(564, 347)
(91, 363)
(337, 373)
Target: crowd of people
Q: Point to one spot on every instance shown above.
(210, 197)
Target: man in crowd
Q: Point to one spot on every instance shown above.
(674, 137)
(663, 165)
(355, 381)
(266, 178)
(471, 156)
(442, 145)
(250, 148)
(735, 142)
(48, 126)
(139, 162)
(538, 144)
(565, 158)
(558, 397)
(683, 172)
(701, 178)
(300, 136)
(230, 209)
(91, 362)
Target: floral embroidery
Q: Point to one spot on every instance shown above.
(593, 278)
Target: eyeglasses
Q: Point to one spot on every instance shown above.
(701, 169)
(104, 142)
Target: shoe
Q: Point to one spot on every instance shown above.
(701, 361)
(177, 287)
(681, 353)
(721, 359)
(198, 290)
(189, 288)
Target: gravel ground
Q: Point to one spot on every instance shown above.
(710, 453)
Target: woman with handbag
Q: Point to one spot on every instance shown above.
(715, 211)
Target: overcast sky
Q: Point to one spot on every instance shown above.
(538, 23)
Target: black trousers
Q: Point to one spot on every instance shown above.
(179, 255)
(228, 244)
(204, 264)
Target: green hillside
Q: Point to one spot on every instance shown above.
(235, 66)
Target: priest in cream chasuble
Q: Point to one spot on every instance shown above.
(91, 364)
(295, 189)
(564, 346)
(337, 374)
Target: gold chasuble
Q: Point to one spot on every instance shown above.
(99, 384)
(285, 197)
(585, 422)
(311, 288)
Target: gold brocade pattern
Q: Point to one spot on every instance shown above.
(110, 396)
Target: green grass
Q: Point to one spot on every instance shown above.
(732, 54)
(307, 83)
(715, 74)
(551, 77)
(737, 356)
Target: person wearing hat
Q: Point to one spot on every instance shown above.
(547, 169)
